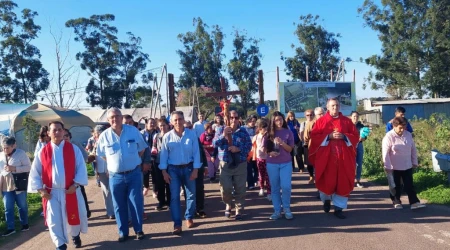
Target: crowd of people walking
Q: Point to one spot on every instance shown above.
(177, 155)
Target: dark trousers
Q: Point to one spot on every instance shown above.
(155, 176)
(310, 170)
(163, 188)
(408, 187)
(297, 154)
(199, 190)
(252, 173)
(83, 192)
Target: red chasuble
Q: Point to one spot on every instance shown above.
(335, 163)
(69, 170)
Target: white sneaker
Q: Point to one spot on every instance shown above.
(269, 197)
(417, 205)
(261, 192)
(275, 216)
(398, 206)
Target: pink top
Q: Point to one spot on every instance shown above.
(399, 152)
(260, 149)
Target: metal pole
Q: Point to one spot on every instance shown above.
(307, 73)
(278, 92)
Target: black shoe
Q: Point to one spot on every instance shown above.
(327, 206)
(8, 232)
(159, 207)
(212, 179)
(77, 241)
(140, 236)
(89, 214)
(112, 217)
(123, 238)
(201, 214)
(338, 213)
(62, 247)
(25, 228)
(239, 217)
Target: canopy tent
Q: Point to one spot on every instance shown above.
(94, 114)
(79, 125)
(7, 113)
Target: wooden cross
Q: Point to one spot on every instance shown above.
(224, 94)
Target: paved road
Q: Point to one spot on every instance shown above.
(371, 224)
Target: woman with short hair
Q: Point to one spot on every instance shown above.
(13, 183)
(400, 157)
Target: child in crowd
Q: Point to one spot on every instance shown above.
(261, 157)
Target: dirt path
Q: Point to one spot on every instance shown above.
(371, 224)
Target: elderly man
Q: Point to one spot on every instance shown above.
(199, 126)
(57, 173)
(123, 146)
(233, 144)
(179, 163)
(318, 112)
(332, 151)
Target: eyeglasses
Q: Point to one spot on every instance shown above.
(234, 117)
(66, 135)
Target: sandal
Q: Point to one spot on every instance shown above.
(228, 213)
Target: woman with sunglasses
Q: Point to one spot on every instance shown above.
(297, 151)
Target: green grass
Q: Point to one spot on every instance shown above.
(429, 134)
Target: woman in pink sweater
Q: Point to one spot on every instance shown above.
(400, 157)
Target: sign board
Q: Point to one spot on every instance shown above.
(300, 96)
(262, 109)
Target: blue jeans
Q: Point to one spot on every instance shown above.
(180, 176)
(126, 190)
(359, 160)
(280, 176)
(9, 200)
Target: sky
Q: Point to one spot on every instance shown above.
(159, 22)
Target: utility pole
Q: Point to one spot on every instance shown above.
(278, 92)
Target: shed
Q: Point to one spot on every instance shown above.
(421, 108)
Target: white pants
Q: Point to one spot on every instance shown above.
(338, 201)
(56, 217)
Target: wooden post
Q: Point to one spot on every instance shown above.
(261, 86)
(171, 93)
(354, 75)
(278, 92)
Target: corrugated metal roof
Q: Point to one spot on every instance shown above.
(418, 101)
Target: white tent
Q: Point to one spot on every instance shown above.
(7, 114)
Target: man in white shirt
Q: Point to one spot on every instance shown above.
(57, 173)
(199, 126)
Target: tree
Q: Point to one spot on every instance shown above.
(318, 50)
(243, 67)
(31, 132)
(186, 97)
(415, 50)
(99, 59)
(201, 57)
(132, 61)
(63, 87)
(20, 59)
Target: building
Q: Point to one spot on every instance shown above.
(421, 108)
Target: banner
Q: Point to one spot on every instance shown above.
(300, 96)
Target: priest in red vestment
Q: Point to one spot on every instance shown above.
(333, 153)
(57, 172)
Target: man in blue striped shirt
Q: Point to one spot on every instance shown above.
(233, 144)
(179, 162)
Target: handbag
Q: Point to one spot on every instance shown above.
(21, 181)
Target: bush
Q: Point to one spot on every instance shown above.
(428, 134)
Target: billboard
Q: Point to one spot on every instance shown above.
(300, 96)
